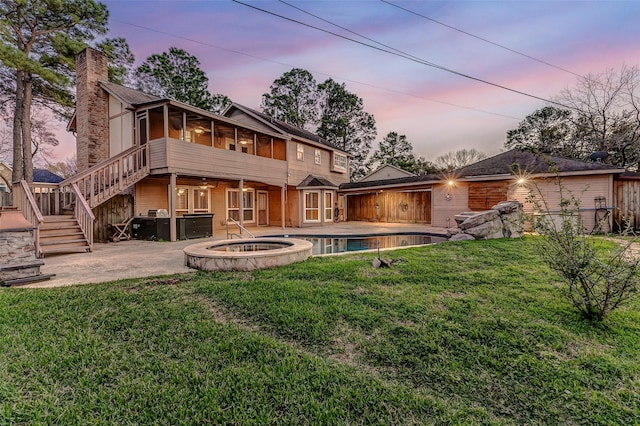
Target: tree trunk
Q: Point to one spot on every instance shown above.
(27, 154)
(18, 172)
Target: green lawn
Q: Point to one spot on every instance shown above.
(455, 333)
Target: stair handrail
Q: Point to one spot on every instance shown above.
(110, 177)
(83, 215)
(81, 175)
(242, 228)
(26, 202)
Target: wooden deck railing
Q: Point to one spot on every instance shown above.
(83, 215)
(109, 178)
(24, 200)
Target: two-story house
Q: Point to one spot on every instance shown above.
(164, 154)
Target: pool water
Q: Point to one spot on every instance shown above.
(249, 246)
(329, 244)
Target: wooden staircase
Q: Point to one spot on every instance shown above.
(44, 205)
(62, 234)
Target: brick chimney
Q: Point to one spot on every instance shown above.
(92, 109)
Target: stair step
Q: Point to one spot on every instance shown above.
(59, 217)
(64, 243)
(44, 239)
(52, 250)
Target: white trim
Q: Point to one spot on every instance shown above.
(258, 207)
(305, 209)
(328, 208)
(244, 205)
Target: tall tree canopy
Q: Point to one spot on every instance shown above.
(602, 114)
(345, 123)
(120, 60)
(457, 159)
(328, 109)
(397, 151)
(39, 41)
(176, 74)
(293, 99)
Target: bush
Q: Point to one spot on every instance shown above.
(599, 278)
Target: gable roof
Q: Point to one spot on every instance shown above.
(504, 164)
(315, 182)
(284, 127)
(380, 170)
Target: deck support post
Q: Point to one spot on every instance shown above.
(283, 200)
(241, 201)
(172, 207)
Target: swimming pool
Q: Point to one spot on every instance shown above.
(330, 244)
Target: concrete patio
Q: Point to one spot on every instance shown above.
(136, 258)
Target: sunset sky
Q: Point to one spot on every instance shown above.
(243, 50)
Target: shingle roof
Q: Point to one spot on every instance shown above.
(501, 164)
(128, 95)
(505, 163)
(45, 176)
(396, 181)
(288, 128)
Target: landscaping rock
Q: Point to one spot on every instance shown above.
(461, 237)
(461, 217)
(487, 230)
(506, 207)
(381, 263)
(453, 231)
(478, 219)
(512, 225)
(504, 220)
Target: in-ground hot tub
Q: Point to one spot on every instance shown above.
(246, 254)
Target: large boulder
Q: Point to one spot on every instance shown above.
(479, 218)
(512, 224)
(507, 207)
(487, 230)
(504, 220)
(461, 217)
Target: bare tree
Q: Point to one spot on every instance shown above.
(66, 168)
(460, 158)
(605, 113)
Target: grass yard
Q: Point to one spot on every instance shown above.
(456, 333)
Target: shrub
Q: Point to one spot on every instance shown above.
(599, 278)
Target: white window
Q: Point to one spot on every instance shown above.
(318, 157)
(312, 206)
(248, 198)
(182, 201)
(328, 206)
(248, 207)
(300, 152)
(339, 162)
(200, 200)
(233, 204)
(191, 199)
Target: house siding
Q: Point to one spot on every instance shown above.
(445, 208)
(584, 188)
